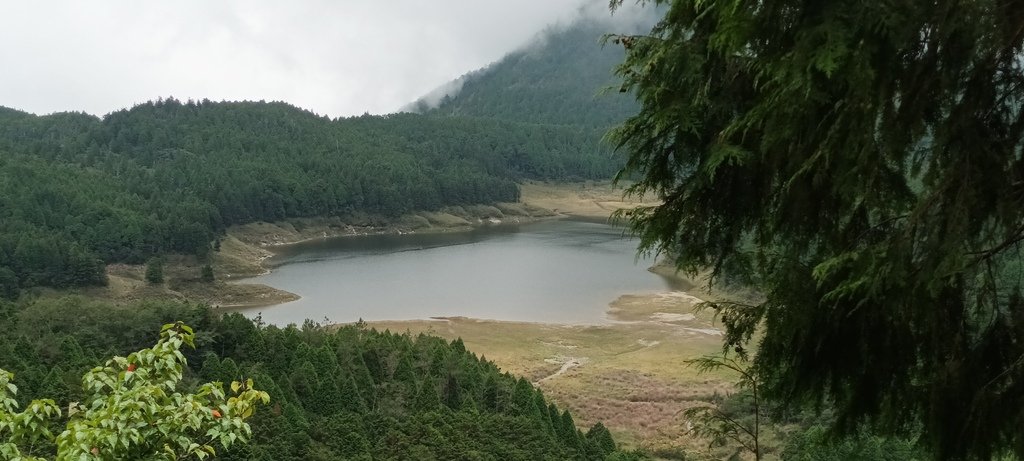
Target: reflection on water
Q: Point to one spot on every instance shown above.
(559, 271)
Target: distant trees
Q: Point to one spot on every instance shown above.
(168, 177)
(155, 271)
(206, 274)
(8, 284)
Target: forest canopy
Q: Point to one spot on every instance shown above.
(169, 176)
(335, 393)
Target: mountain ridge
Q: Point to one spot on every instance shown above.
(562, 77)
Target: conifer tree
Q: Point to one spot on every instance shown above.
(210, 368)
(54, 387)
(351, 397)
(490, 399)
(428, 398)
(206, 274)
(567, 431)
(522, 399)
(542, 411)
(364, 381)
(155, 271)
(438, 361)
(256, 347)
(469, 405)
(859, 164)
(403, 370)
(601, 438)
(306, 382)
(229, 370)
(452, 392)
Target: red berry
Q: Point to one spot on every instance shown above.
(131, 367)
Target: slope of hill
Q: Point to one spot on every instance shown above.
(564, 77)
(167, 177)
(349, 393)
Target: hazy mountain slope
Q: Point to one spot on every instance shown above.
(563, 77)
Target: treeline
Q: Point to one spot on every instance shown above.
(169, 176)
(347, 393)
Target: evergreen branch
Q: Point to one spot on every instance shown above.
(1015, 237)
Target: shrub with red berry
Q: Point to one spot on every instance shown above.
(133, 411)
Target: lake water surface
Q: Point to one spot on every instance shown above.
(559, 271)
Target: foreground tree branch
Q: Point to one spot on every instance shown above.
(855, 161)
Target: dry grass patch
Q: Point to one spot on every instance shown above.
(633, 377)
(594, 199)
(446, 220)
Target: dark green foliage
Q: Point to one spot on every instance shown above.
(428, 398)
(490, 394)
(452, 392)
(600, 438)
(860, 163)
(523, 402)
(206, 275)
(318, 404)
(169, 177)
(8, 284)
(567, 432)
(155, 271)
(814, 444)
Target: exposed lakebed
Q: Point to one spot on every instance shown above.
(558, 271)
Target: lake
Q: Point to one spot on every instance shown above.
(558, 271)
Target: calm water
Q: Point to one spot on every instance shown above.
(559, 271)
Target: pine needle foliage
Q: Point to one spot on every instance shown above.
(860, 162)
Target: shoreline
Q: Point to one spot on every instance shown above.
(245, 251)
(250, 246)
(266, 250)
(629, 371)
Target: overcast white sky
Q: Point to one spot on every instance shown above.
(340, 57)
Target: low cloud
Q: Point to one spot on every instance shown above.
(335, 58)
(629, 18)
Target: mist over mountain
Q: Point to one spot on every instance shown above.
(563, 77)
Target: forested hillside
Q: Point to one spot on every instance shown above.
(349, 393)
(564, 77)
(163, 177)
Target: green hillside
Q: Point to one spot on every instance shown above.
(349, 393)
(564, 77)
(167, 177)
